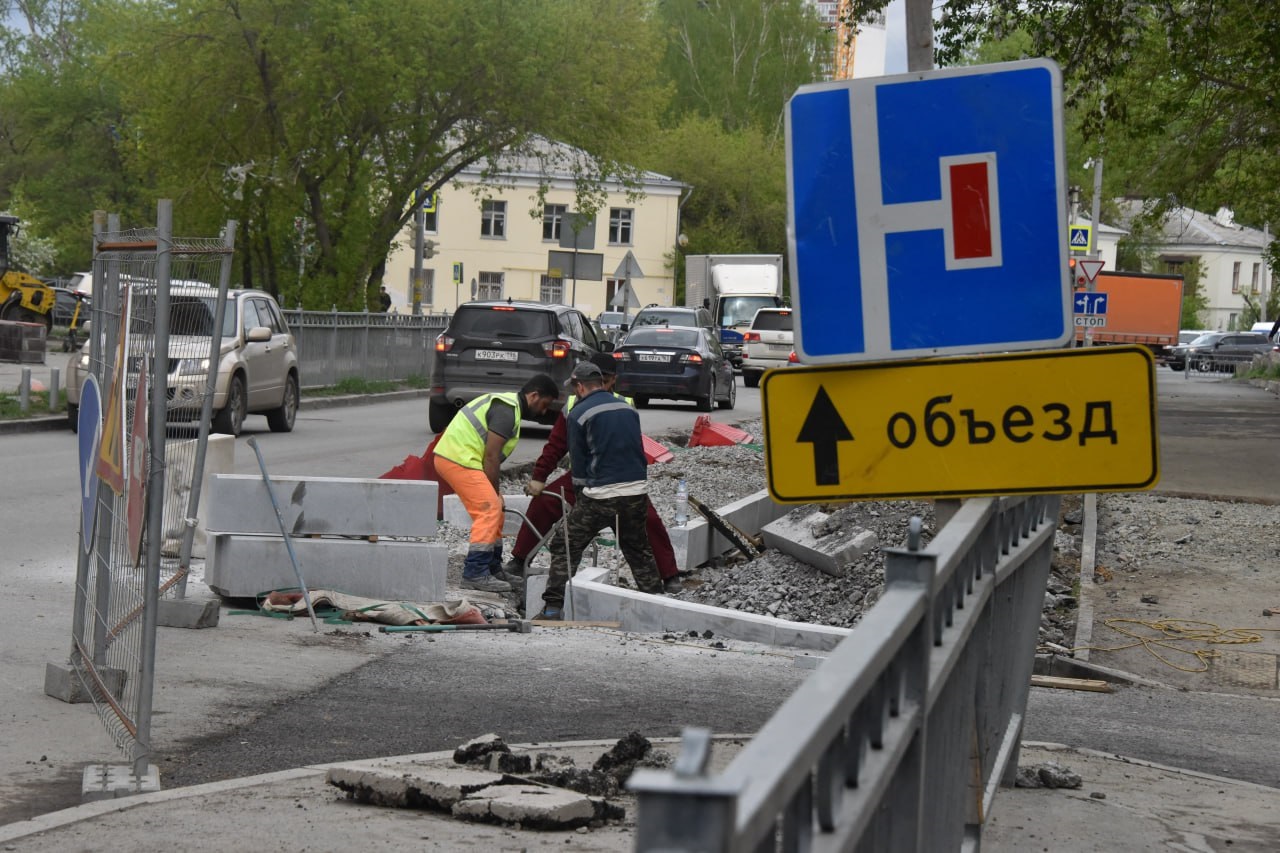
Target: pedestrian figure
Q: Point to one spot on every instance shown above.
(606, 451)
(384, 299)
(469, 457)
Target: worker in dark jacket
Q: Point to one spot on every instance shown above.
(610, 476)
(545, 509)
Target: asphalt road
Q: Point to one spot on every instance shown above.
(258, 695)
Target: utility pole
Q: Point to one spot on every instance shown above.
(919, 35)
(419, 236)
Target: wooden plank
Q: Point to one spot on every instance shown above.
(578, 623)
(1062, 683)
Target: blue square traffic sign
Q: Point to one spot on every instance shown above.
(926, 213)
(1090, 302)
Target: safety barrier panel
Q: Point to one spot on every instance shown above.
(900, 739)
(136, 534)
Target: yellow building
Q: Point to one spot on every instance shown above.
(501, 238)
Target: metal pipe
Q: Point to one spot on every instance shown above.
(288, 541)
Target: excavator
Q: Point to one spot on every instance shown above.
(23, 297)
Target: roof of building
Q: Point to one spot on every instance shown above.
(547, 159)
(1184, 226)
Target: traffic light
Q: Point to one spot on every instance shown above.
(1076, 274)
(429, 249)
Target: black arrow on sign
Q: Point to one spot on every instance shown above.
(824, 429)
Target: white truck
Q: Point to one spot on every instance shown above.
(733, 288)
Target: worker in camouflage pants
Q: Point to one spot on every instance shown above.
(606, 451)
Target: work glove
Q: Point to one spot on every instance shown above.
(534, 488)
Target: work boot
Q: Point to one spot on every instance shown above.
(672, 584)
(514, 567)
(486, 583)
(496, 569)
(476, 574)
(550, 614)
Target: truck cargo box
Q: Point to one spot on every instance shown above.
(1141, 309)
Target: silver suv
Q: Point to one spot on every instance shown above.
(257, 374)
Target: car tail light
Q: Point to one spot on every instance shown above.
(503, 308)
(792, 358)
(557, 349)
(444, 343)
(621, 356)
(745, 355)
(751, 337)
(691, 358)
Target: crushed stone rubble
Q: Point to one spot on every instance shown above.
(775, 583)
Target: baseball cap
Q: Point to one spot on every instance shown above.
(606, 362)
(583, 371)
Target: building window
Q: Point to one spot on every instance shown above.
(1232, 319)
(428, 287)
(1253, 285)
(620, 226)
(552, 289)
(489, 285)
(493, 219)
(1235, 277)
(552, 220)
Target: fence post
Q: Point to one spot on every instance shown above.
(333, 347)
(681, 810)
(902, 812)
(364, 347)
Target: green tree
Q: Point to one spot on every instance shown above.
(738, 61)
(335, 111)
(1179, 97)
(738, 201)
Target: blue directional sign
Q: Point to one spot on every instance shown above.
(926, 213)
(1090, 303)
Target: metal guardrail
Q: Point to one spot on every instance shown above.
(337, 345)
(1217, 365)
(900, 739)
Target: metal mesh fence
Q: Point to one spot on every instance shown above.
(157, 324)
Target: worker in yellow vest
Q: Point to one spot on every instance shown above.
(469, 457)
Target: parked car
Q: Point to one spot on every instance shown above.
(257, 373)
(498, 346)
(612, 322)
(1176, 356)
(687, 318)
(1220, 351)
(675, 363)
(767, 343)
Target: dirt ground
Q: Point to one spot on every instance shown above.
(1180, 590)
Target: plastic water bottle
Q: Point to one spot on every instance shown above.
(682, 503)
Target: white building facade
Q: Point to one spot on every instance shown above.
(1232, 257)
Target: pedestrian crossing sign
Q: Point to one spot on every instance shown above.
(1078, 238)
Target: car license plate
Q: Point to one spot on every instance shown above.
(653, 356)
(779, 348)
(497, 355)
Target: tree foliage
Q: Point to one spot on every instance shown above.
(738, 61)
(738, 201)
(333, 112)
(1179, 98)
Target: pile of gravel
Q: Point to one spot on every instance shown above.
(776, 584)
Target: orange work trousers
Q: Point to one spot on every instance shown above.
(481, 502)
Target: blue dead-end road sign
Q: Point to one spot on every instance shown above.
(926, 213)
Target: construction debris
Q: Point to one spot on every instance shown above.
(1048, 775)
(1091, 685)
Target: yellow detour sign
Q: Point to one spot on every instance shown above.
(1035, 422)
